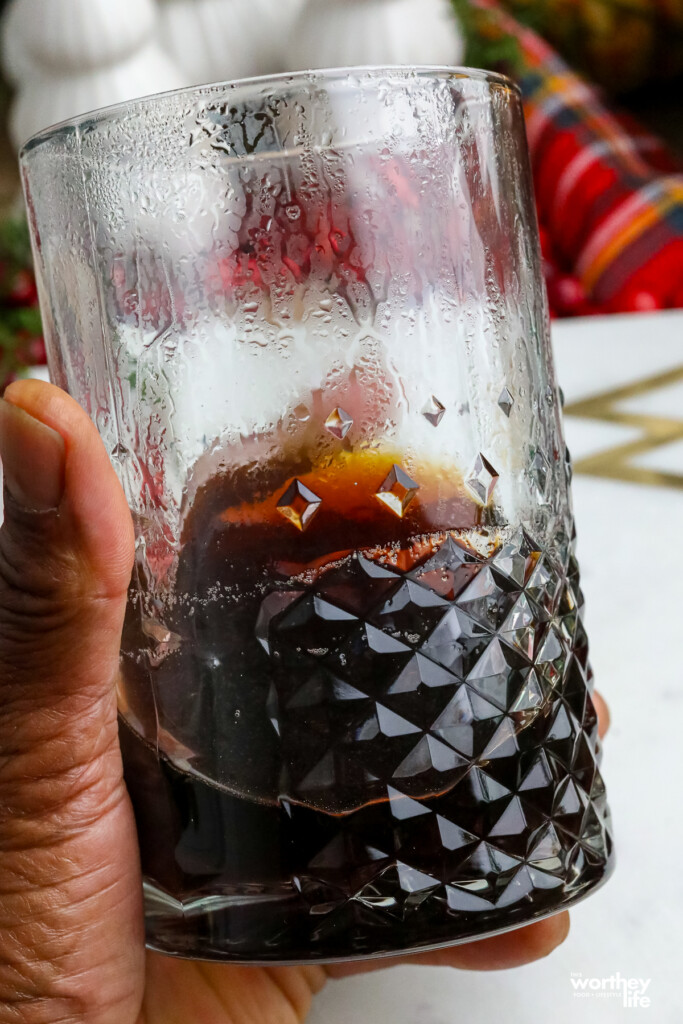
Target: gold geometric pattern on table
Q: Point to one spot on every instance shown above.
(616, 463)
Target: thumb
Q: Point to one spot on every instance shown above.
(70, 943)
(63, 495)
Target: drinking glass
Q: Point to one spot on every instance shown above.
(306, 314)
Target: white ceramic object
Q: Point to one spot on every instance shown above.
(215, 40)
(17, 63)
(71, 56)
(341, 33)
(44, 100)
(75, 55)
(81, 35)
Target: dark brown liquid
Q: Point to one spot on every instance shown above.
(330, 686)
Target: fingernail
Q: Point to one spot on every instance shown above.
(33, 459)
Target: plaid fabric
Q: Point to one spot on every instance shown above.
(608, 192)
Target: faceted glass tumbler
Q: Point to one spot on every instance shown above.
(306, 314)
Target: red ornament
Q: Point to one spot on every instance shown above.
(20, 289)
(567, 295)
(36, 352)
(640, 300)
(546, 244)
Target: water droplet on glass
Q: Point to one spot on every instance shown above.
(397, 491)
(433, 411)
(561, 397)
(293, 211)
(506, 401)
(481, 479)
(302, 413)
(339, 423)
(299, 504)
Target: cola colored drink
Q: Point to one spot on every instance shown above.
(399, 747)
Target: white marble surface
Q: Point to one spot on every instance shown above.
(632, 564)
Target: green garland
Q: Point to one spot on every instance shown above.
(20, 324)
(486, 44)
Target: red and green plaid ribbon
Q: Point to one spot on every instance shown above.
(608, 192)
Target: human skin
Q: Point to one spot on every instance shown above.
(71, 918)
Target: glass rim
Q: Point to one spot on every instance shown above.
(369, 72)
